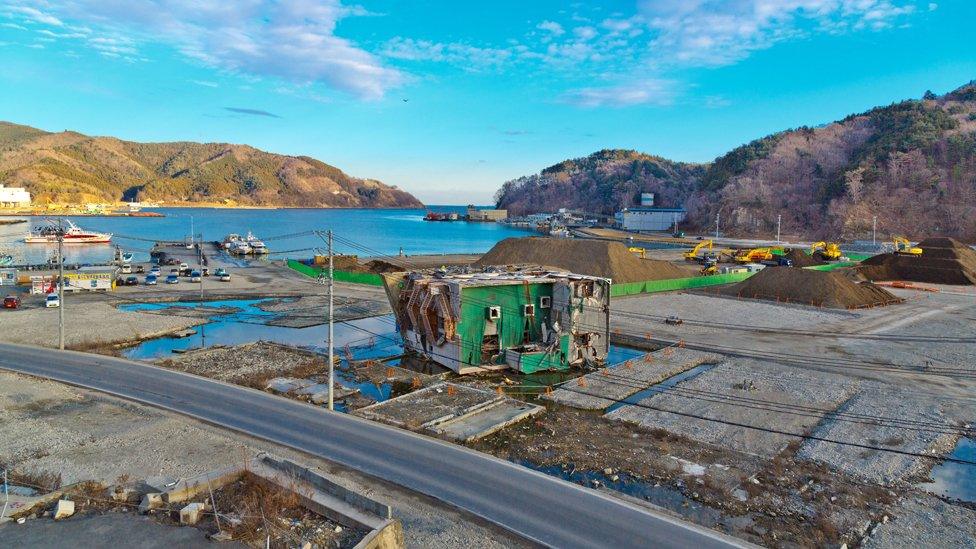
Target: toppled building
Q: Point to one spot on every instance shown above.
(529, 320)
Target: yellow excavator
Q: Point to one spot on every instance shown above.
(693, 254)
(754, 255)
(641, 252)
(826, 250)
(708, 270)
(904, 247)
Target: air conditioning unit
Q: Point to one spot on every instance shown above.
(528, 310)
(493, 313)
(545, 302)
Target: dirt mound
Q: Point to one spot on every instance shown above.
(582, 256)
(807, 287)
(801, 258)
(379, 266)
(943, 261)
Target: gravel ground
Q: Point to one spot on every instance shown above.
(925, 521)
(874, 400)
(251, 364)
(741, 379)
(87, 322)
(711, 309)
(49, 426)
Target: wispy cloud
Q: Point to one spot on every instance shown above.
(643, 92)
(471, 57)
(205, 83)
(294, 40)
(252, 112)
(33, 14)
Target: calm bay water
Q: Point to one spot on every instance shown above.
(385, 231)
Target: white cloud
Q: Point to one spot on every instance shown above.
(716, 32)
(465, 55)
(584, 33)
(641, 92)
(13, 26)
(293, 40)
(33, 14)
(205, 83)
(551, 27)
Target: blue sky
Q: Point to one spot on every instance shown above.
(450, 99)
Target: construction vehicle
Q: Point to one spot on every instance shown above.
(641, 252)
(904, 247)
(709, 270)
(693, 254)
(673, 321)
(828, 251)
(754, 255)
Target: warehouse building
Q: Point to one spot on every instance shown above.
(528, 320)
(650, 219)
(476, 214)
(14, 197)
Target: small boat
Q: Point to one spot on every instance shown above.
(73, 234)
(6, 260)
(437, 216)
(230, 239)
(257, 246)
(239, 247)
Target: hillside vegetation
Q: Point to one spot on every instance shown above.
(912, 164)
(69, 167)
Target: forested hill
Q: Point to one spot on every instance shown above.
(912, 164)
(68, 167)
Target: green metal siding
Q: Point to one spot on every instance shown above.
(474, 302)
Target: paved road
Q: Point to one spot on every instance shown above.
(539, 507)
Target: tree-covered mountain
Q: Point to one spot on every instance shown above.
(68, 167)
(912, 164)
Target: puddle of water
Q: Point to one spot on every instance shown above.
(619, 353)
(956, 480)
(663, 496)
(660, 387)
(246, 324)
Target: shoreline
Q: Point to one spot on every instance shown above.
(150, 212)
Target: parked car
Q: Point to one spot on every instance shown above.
(184, 266)
(140, 269)
(126, 268)
(220, 271)
(11, 302)
(52, 300)
(205, 271)
(151, 280)
(225, 277)
(195, 276)
(174, 271)
(172, 279)
(131, 280)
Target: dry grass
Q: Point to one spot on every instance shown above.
(43, 481)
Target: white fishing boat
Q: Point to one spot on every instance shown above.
(230, 239)
(73, 234)
(257, 246)
(239, 247)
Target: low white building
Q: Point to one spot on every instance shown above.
(14, 197)
(650, 219)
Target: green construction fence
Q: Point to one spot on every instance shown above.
(672, 284)
(340, 276)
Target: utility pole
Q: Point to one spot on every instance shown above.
(874, 230)
(717, 219)
(779, 221)
(331, 358)
(203, 334)
(60, 284)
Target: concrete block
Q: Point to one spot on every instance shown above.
(150, 501)
(64, 508)
(190, 514)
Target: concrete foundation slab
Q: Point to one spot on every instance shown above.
(488, 420)
(603, 388)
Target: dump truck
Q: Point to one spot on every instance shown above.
(754, 255)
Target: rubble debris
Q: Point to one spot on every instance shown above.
(63, 509)
(190, 514)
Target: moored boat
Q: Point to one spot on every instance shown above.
(73, 234)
